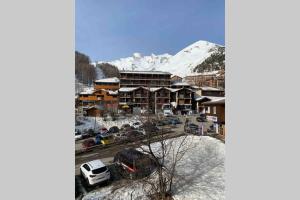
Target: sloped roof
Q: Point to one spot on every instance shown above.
(215, 101)
(108, 80)
(127, 89)
(181, 84)
(206, 88)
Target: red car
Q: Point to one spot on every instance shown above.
(88, 143)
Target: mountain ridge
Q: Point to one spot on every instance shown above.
(182, 63)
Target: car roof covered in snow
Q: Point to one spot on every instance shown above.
(95, 164)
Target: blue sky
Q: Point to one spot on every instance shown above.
(111, 29)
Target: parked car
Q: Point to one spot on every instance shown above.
(77, 190)
(201, 118)
(121, 136)
(125, 127)
(173, 120)
(134, 135)
(113, 129)
(133, 163)
(103, 130)
(88, 143)
(78, 135)
(137, 125)
(104, 138)
(94, 172)
(162, 122)
(85, 135)
(191, 128)
(149, 128)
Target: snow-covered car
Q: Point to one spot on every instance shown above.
(95, 172)
(192, 128)
(126, 127)
(78, 135)
(121, 136)
(113, 129)
(137, 125)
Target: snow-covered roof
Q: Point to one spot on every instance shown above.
(88, 91)
(127, 89)
(206, 88)
(199, 98)
(177, 89)
(195, 87)
(144, 72)
(181, 84)
(112, 92)
(108, 80)
(173, 89)
(204, 73)
(174, 75)
(211, 98)
(154, 89)
(216, 101)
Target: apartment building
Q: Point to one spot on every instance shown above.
(100, 99)
(145, 79)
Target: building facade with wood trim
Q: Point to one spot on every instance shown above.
(145, 79)
(102, 98)
(215, 111)
(210, 79)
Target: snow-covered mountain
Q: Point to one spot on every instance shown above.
(181, 64)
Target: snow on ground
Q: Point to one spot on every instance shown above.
(200, 174)
(91, 122)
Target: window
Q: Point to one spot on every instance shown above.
(215, 110)
(99, 170)
(85, 166)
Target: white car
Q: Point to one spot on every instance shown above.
(94, 172)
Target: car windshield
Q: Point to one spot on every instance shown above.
(99, 170)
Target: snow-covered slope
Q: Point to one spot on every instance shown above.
(139, 62)
(181, 64)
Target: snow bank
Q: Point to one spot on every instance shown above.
(200, 174)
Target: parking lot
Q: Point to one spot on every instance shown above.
(107, 153)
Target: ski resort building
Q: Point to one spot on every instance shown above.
(107, 84)
(215, 111)
(211, 79)
(145, 79)
(142, 99)
(102, 98)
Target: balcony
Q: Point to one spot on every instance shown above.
(184, 96)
